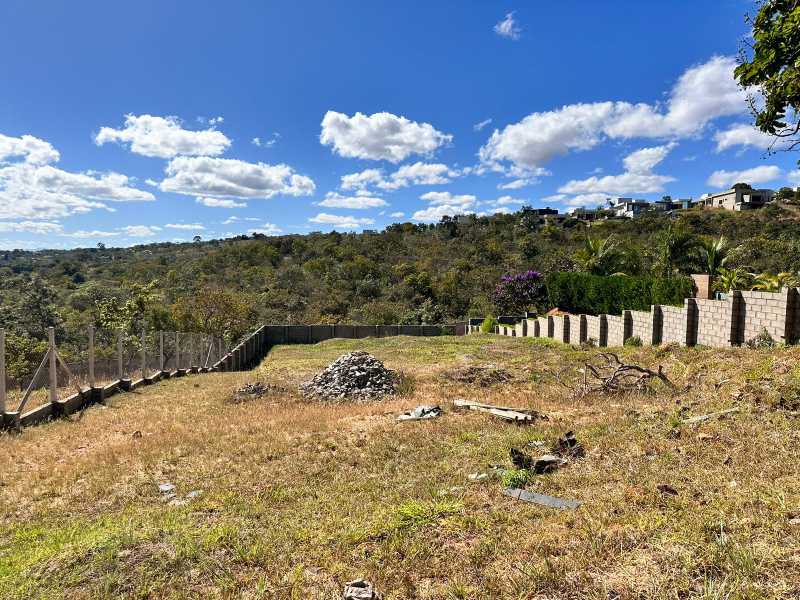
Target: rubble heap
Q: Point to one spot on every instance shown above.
(353, 376)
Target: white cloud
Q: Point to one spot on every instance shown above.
(189, 226)
(742, 134)
(397, 215)
(517, 183)
(508, 28)
(756, 175)
(229, 178)
(46, 192)
(794, 178)
(418, 173)
(141, 231)
(587, 200)
(381, 136)
(334, 200)
(447, 198)
(267, 229)
(38, 227)
(445, 204)
(637, 177)
(341, 221)
(702, 93)
(554, 198)
(164, 137)
(220, 203)
(33, 150)
(82, 234)
(481, 124)
(268, 143)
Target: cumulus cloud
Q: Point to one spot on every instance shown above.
(140, 231)
(756, 175)
(516, 184)
(794, 178)
(45, 192)
(334, 200)
(742, 134)
(208, 177)
(31, 149)
(164, 137)
(37, 227)
(84, 234)
(637, 178)
(445, 204)
(418, 173)
(508, 28)
(267, 229)
(381, 136)
(220, 203)
(397, 215)
(701, 94)
(188, 226)
(341, 221)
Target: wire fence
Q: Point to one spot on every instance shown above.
(97, 358)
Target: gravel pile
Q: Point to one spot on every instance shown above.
(353, 376)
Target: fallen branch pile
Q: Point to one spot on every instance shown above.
(615, 376)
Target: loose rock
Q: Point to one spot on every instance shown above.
(354, 376)
(359, 590)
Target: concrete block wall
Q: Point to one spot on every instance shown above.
(561, 328)
(619, 328)
(718, 322)
(646, 325)
(679, 324)
(768, 311)
(521, 328)
(533, 328)
(577, 329)
(597, 329)
(545, 326)
(794, 310)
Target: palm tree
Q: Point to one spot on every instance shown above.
(728, 280)
(675, 251)
(597, 256)
(767, 282)
(714, 254)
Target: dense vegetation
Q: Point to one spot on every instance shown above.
(408, 273)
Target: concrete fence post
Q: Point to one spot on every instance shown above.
(51, 342)
(177, 350)
(2, 372)
(144, 354)
(120, 370)
(91, 356)
(161, 351)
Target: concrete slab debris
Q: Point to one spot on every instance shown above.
(421, 413)
(714, 415)
(359, 590)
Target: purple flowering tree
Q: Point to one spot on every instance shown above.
(515, 294)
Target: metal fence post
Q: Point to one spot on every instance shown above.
(120, 369)
(2, 372)
(161, 351)
(91, 356)
(51, 341)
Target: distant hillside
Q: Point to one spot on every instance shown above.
(407, 273)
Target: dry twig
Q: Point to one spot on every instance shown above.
(615, 376)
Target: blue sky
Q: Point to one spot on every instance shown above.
(125, 123)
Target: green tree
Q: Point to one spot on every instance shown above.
(728, 280)
(675, 251)
(713, 253)
(771, 67)
(598, 257)
(37, 309)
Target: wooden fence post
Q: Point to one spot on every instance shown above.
(161, 351)
(120, 368)
(91, 356)
(51, 342)
(2, 372)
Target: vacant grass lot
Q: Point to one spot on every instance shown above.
(297, 498)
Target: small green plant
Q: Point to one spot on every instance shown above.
(516, 478)
(762, 340)
(406, 384)
(488, 325)
(634, 341)
(413, 514)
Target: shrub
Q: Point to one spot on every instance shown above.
(582, 293)
(516, 478)
(762, 340)
(488, 325)
(516, 293)
(633, 341)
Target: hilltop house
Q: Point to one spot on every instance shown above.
(740, 197)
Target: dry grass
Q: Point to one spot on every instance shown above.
(298, 498)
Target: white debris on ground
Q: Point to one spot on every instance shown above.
(354, 376)
(421, 413)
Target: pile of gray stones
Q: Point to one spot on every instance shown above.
(354, 376)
